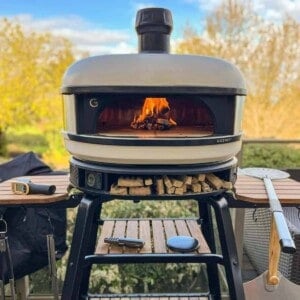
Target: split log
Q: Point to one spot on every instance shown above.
(116, 190)
(140, 191)
(177, 183)
(187, 179)
(196, 188)
(160, 188)
(195, 179)
(205, 187)
(201, 177)
(171, 190)
(130, 182)
(227, 185)
(148, 181)
(167, 181)
(179, 191)
(214, 181)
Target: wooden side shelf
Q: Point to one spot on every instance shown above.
(154, 232)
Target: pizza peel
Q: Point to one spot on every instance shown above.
(271, 284)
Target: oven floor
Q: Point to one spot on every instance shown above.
(179, 131)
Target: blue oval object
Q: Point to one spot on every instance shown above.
(182, 243)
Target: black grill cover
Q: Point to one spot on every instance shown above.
(28, 227)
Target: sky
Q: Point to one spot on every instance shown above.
(107, 26)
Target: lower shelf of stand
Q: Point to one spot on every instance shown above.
(154, 232)
(152, 297)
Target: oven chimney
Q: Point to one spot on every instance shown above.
(153, 26)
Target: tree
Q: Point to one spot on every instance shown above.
(268, 54)
(31, 68)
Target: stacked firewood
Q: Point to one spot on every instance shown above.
(168, 185)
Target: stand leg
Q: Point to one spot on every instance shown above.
(229, 251)
(83, 243)
(208, 232)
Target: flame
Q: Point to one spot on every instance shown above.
(153, 107)
(157, 110)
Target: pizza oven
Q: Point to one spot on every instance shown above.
(152, 112)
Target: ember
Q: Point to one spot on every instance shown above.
(155, 115)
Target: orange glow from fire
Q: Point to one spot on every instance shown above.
(155, 111)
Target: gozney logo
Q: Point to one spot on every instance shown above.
(224, 140)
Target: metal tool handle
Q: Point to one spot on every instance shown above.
(285, 239)
(41, 189)
(125, 241)
(52, 265)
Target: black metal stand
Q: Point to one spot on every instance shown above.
(84, 239)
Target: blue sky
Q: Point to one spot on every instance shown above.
(103, 26)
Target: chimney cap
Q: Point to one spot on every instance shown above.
(154, 19)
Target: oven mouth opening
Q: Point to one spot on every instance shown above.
(155, 117)
(116, 116)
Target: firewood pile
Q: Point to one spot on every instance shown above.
(168, 185)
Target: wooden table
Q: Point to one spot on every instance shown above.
(60, 198)
(8, 198)
(252, 191)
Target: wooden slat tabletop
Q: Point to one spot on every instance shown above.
(154, 232)
(7, 197)
(253, 190)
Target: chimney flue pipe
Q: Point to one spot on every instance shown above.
(153, 26)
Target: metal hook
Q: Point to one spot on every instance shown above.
(254, 218)
(4, 223)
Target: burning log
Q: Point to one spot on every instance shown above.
(154, 115)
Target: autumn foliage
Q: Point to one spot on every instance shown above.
(267, 53)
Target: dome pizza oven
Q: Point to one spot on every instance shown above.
(152, 113)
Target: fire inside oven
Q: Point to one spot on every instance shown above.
(159, 116)
(156, 116)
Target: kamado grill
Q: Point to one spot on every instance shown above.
(153, 125)
(152, 112)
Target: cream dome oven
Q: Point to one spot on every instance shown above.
(153, 110)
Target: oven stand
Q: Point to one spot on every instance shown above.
(84, 241)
